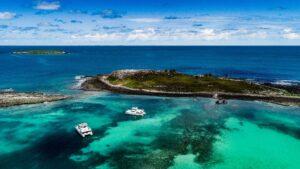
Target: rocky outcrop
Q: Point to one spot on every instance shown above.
(8, 99)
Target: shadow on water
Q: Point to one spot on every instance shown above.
(51, 151)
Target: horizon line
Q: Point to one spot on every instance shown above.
(156, 45)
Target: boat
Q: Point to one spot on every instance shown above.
(83, 129)
(135, 111)
(221, 101)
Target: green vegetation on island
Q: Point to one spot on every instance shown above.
(40, 52)
(172, 81)
(174, 84)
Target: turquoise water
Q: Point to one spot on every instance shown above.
(176, 133)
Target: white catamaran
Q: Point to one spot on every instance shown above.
(83, 129)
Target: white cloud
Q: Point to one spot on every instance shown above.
(287, 30)
(7, 15)
(288, 33)
(249, 33)
(257, 35)
(211, 34)
(48, 5)
(98, 36)
(291, 36)
(204, 34)
(153, 34)
(184, 34)
(146, 20)
(143, 34)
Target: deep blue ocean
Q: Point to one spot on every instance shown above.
(175, 133)
(52, 73)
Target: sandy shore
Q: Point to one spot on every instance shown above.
(8, 99)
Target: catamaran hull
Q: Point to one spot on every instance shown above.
(83, 134)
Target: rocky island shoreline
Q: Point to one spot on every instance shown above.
(170, 83)
(11, 98)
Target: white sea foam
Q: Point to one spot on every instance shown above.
(7, 90)
(287, 82)
(80, 79)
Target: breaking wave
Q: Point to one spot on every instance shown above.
(80, 79)
(287, 82)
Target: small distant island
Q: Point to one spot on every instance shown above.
(176, 84)
(40, 52)
(11, 98)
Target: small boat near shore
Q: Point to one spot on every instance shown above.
(221, 101)
(83, 129)
(135, 111)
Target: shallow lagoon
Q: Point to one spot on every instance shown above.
(176, 133)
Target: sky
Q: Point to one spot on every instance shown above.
(149, 22)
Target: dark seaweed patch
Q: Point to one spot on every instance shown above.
(138, 158)
(202, 144)
(193, 132)
(95, 159)
(10, 124)
(46, 152)
(292, 131)
(246, 115)
(176, 142)
(121, 158)
(254, 117)
(59, 144)
(78, 107)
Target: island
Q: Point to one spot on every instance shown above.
(175, 84)
(11, 98)
(40, 52)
